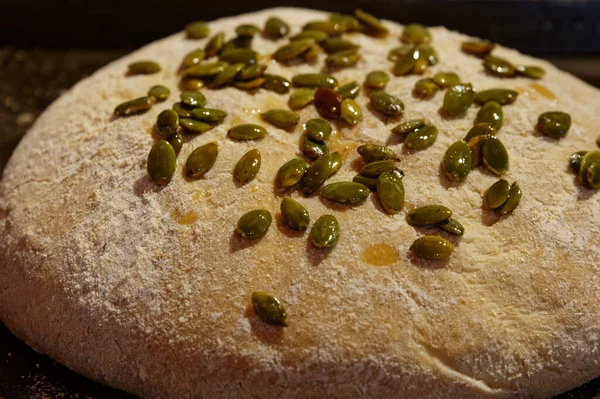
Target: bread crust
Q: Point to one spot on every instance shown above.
(98, 273)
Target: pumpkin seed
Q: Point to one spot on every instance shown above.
(499, 66)
(446, 79)
(593, 175)
(480, 129)
(176, 142)
(335, 44)
(432, 247)
(318, 129)
(193, 57)
(328, 103)
(276, 83)
(586, 161)
(248, 166)
(458, 99)
(254, 224)
(191, 84)
(314, 80)
(452, 226)
(291, 172)
(208, 115)
(281, 118)
(476, 145)
(345, 192)
(386, 103)
(250, 84)
(269, 309)
(554, 124)
(501, 96)
(425, 88)
(405, 63)
(351, 112)
(420, 66)
(239, 56)
(294, 215)
(316, 174)
(478, 48)
(369, 182)
(408, 126)
(251, 72)
(575, 161)
(193, 99)
(533, 72)
(428, 53)
(377, 80)
(398, 52)
(390, 191)
(422, 137)
(457, 161)
(415, 34)
(182, 110)
(197, 30)
(215, 45)
(330, 27)
(193, 126)
(494, 155)
(492, 114)
(514, 197)
(201, 160)
(349, 90)
(373, 24)
(226, 76)
(325, 233)
(374, 152)
(239, 42)
(247, 30)
(143, 68)
(312, 149)
(161, 162)
(496, 195)
(376, 168)
(301, 98)
(343, 59)
(276, 28)
(167, 123)
(292, 50)
(247, 131)
(336, 162)
(161, 93)
(428, 215)
(348, 22)
(136, 106)
(316, 35)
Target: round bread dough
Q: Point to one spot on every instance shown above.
(147, 289)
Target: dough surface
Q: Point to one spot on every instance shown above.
(147, 289)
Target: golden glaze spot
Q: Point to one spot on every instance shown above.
(380, 255)
(185, 218)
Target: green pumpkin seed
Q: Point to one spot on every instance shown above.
(428, 53)
(377, 80)
(408, 126)
(316, 174)
(251, 72)
(405, 63)
(399, 52)
(192, 58)
(452, 226)
(415, 34)
(348, 22)
(294, 215)
(167, 123)
(191, 84)
(239, 42)
(248, 166)
(349, 90)
(291, 172)
(593, 175)
(281, 118)
(314, 80)
(351, 112)
(532, 72)
(494, 155)
(247, 30)
(194, 126)
(247, 131)
(501, 96)
(161, 93)
(269, 309)
(478, 48)
(176, 142)
(201, 160)
(316, 35)
(499, 66)
(325, 233)
(208, 115)
(420, 66)
(312, 149)
(458, 99)
(446, 79)
(276, 83)
(575, 161)
(215, 45)
(182, 110)
(197, 30)
(514, 197)
(239, 56)
(476, 145)
(136, 106)
(328, 103)
(428, 215)
(386, 103)
(193, 99)
(432, 247)
(336, 162)
(374, 152)
(336, 44)
(143, 68)
(369, 182)
(425, 88)
(330, 27)
(372, 23)
(480, 129)
(226, 76)
(318, 130)
(496, 195)
(457, 161)
(301, 98)
(390, 191)
(554, 124)
(254, 224)
(586, 161)
(375, 168)
(292, 50)
(161, 162)
(492, 114)
(345, 192)
(250, 84)
(422, 137)
(276, 28)
(342, 59)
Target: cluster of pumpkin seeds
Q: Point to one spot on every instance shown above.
(139, 105)
(586, 165)
(416, 55)
(434, 247)
(417, 134)
(502, 197)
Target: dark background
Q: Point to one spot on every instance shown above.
(47, 46)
